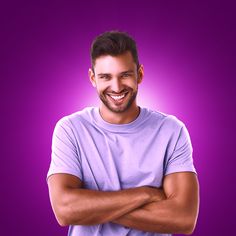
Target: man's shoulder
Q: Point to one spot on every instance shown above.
(82, 116)
(167, 120)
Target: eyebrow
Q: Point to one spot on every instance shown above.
(123, 72)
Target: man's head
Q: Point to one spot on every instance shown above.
(113, 43)
(115, 71)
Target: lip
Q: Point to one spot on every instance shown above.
(117, 101)
(117, 94)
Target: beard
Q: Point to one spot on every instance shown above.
(124, 106)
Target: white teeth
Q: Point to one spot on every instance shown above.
(117, 97)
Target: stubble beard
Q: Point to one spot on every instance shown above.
(123, 107)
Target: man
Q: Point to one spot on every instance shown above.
(121, 169)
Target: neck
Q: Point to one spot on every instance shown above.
(119, 118)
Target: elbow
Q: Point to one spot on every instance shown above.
(187, 221)
(61, 218)
(188, 226)
(65, 216)
(188, 230)
(62, 222)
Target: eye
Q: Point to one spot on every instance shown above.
(106, 77)
(126, 75)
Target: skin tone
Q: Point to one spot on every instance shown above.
(173, 209)
(115, 77)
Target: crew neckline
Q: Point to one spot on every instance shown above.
(119, 127)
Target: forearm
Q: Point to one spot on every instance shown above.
(88, 207)
(165, 216)
(175, 214)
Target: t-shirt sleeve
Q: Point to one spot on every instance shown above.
(181, 159)
(64, 151)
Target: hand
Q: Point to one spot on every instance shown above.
(156, 194)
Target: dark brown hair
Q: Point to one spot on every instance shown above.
(113, 43)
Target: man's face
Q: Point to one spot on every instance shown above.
(116, 79)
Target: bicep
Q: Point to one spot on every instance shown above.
(58, 184)
(64, 180)
(183, 188)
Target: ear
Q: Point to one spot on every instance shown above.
(92, 77)
(140, 74)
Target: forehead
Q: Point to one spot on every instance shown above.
(114, 64)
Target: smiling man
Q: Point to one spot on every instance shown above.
(122, 169)
(117, 86)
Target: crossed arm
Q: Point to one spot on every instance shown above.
(173, 209)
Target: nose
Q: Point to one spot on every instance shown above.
(116, 85)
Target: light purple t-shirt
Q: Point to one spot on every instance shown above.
(111, 157)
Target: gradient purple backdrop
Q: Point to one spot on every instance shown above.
(188, 51)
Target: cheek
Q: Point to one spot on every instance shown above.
(101, 87)
(132, 84)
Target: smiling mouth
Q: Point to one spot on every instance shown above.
(118, 97)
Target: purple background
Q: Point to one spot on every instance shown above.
(188, 51)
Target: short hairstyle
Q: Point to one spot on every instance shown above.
(113, 43)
